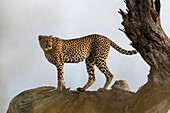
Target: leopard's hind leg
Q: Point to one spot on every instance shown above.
(101, 64)
(90, 65)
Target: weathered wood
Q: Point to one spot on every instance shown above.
(49, 100)
(142, 26)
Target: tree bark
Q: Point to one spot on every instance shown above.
(49, 100)
(142, 26)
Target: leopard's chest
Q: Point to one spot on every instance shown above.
(50, 58)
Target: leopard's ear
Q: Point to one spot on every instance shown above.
(51, 36)
(39, 37)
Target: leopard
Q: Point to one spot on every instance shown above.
(93, 48)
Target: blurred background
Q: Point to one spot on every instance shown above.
(22, 62)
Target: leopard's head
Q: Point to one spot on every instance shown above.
(45, 42)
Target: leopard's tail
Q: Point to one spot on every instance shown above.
(121, 50)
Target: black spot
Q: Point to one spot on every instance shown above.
(134, 51)
(111, 75)
(119, 49)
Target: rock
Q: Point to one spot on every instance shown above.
(121, 84)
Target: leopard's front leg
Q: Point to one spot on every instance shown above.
(59, 63)
(61, 84)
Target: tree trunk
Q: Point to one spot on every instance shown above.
(142, 26)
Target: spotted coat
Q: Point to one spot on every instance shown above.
(93, 49)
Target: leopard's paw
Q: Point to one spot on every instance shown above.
(80, 89)
(102, 89)
(62, 88)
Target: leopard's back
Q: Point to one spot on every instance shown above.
(76, 50)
